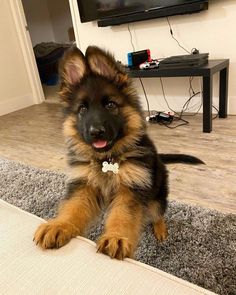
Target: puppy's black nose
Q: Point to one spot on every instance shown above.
(96, 131)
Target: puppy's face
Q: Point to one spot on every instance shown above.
(99, 104)
(103, 110)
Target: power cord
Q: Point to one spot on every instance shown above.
(144, 91)
(191, 86)
(172, 35)
(217, 112)
(179, 118)
(164, 95)
(131, 38)
(186, 104)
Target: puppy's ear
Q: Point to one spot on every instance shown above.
(103, 63)
(72, 67)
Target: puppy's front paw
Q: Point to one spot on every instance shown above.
(115, 247)
(54, 234)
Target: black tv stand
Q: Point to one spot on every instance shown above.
(206, 72)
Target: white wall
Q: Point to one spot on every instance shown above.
(60, 19)
(15, 90)
(38, 20)
(48, 20)
(210, 31)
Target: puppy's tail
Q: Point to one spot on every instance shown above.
(180, 158)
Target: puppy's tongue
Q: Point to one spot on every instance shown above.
(100, 144)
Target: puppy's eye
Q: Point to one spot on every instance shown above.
(111, 105)
(82, 109)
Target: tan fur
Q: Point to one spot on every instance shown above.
(101, 68)
(154, 211)
(73, 66)
(77, 145)
(54, 234)
(134, 175)
(134, 130)
(75, 215)
(104, 64)
(123, 226)
(63, 94)
(160, 230)
(105, 184)
(159, 226)
(108, 183)
(68, 128)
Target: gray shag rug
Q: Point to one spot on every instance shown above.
(201, 247)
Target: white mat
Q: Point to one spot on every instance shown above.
(73, 269)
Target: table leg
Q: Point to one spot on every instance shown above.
(207, 104)
(223, 102)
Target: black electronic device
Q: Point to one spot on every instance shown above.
(161, 117)
(117, 12)
(182, 61)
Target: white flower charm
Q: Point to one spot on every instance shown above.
(110, 167)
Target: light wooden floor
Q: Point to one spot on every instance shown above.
(34, 136)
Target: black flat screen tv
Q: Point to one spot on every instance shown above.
(116, 12)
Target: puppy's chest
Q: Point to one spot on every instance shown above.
(103, 179)
(107, 179)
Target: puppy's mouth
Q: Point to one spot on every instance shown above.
(100, 144)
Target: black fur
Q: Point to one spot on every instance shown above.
(159, 174)
(180, 158)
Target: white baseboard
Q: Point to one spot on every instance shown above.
(16, 103)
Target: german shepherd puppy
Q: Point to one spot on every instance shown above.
(113, 162)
